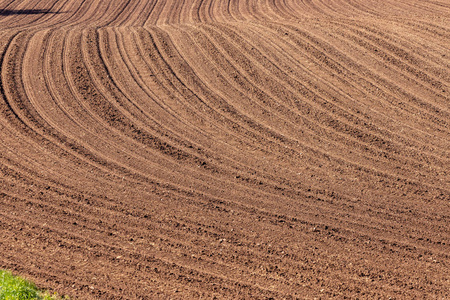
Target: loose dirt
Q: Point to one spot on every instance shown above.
(231, 149)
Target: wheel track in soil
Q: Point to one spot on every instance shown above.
(234, 149)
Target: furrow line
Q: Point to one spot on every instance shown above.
(219, 59)
(384, 82)
(434, 85)
(355, 108)
(334, 109)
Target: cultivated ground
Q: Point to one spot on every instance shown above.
(248, 149)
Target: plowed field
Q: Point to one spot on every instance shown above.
(237, 149)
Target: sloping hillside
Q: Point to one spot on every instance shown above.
(240, 149)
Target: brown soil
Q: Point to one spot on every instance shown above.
(188, 149)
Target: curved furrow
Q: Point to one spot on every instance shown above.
(417, 92)
(349, 82)
(147, 48)
(96, 14)
(398, 8)
(141, 136)
(159, 114)
(72, 239)
(75, 196)
(386, 82)
(239, 176)
(177, 154)
(193, 112)
(175, 12)
(215, 11)
(334, 109)
(327, 8)
(409, 51)
(15, 12)
(136, 14)
(427, 7)
(394, 56)
(52, 130)
(226, 149)
(117, 11)
(91, 157)
(414, 51)
(135, 66)
(338, 9)
(16, 110)
(89, 284)
(165, 111)
(204, 11)
(438, 33)
(223, 11)
(235, 11)
(210, 12)
(54, 14)
(47, 131)
(42, 148)
(285, 10)
(138, 90)
(132, 13)
(274, 9)
(356, 106)
(168, 13)
(155, 13)
(216, 59)
(144, 14)
(200, 109)
(357, 8)
(83, 226)
(375, 87)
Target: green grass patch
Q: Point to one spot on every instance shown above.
(16, 288)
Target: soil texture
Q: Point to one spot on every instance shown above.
(228, 149)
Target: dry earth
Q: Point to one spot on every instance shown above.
(240, 149)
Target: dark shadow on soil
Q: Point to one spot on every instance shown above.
(8, 12)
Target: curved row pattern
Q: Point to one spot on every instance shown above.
(276, 149)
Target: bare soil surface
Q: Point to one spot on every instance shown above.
(236, 149)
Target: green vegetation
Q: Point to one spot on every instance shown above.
(15, 288)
